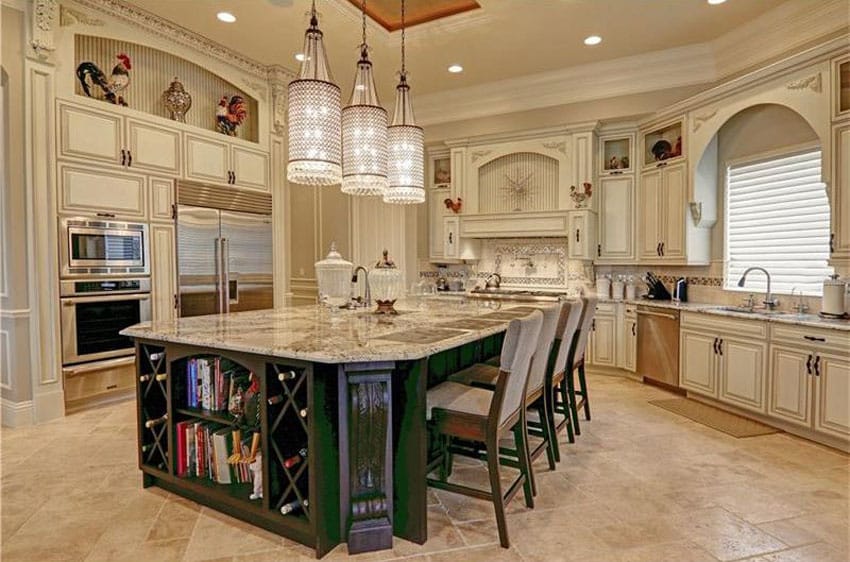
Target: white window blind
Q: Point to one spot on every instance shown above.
(777, 217)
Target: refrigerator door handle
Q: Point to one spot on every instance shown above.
(218, 293)
(225, 275)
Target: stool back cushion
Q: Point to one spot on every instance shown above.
(540, 360)
(518, 362)
(586, 322)
(567, 329)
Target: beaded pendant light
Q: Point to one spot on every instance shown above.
(364, 131)
(406, 142)
(313, 114)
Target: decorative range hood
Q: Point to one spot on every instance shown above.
(529, 224)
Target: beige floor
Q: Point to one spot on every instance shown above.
(641, 484)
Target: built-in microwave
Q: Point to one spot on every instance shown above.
(92, 247)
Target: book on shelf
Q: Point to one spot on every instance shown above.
(215, 384)
(207, 450)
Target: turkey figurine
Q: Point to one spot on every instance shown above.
(90, 75)
(230, 114)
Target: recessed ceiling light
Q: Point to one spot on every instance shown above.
(455, 68)
(226, 17)
(300, 57)
(592, 40)
(716, 2)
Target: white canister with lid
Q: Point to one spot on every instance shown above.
(631, 289)
(832, 302)
(617, 288)
(603, 287)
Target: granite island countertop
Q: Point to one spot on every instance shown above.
(313, 333)
(808, 320)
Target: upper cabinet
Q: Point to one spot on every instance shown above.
(616, 154)
(662, 144)
(615, 198)
(151, 147)
(840, 192)
(841, 87)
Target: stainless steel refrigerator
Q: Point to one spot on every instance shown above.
(224, 260)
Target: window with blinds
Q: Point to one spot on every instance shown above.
(777, 217)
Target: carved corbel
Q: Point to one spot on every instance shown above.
(43, 19)
(279, 79)
(813, 83)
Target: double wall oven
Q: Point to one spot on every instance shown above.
(104, 287)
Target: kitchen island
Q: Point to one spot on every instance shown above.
(338, 412)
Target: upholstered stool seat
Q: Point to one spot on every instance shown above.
(456, 397)
(480, 374)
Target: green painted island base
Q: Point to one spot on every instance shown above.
(361, 427)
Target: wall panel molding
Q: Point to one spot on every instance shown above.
(17, 414)
(5, 362)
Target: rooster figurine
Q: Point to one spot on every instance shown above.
(112, 85)
(453, 205)
(229, 115)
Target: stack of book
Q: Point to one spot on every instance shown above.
(209, 450)
(212, 386)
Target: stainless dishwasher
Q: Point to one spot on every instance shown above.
(658, 344)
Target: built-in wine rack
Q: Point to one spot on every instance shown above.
(153, 407)
(287, 410)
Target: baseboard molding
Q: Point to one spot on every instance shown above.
(16, 414)
(49, 405)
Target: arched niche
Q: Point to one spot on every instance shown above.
(519, 181)
(758, 130)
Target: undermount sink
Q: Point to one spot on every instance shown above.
(747, 310)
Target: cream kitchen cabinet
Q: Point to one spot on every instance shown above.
(92, 135)
(162, 199)
(451, 245)
(163, 273)
(102, 192)
(840, 192)
(629, 339)
(581, 230)
(436, 214)
(663, 197)
(211, 160)
(602, 340)
(742, 370)
(698, 362)
(810, 379)
(616, 195)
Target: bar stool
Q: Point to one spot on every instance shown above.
(486, 375)
(455, 410)
(577, 364)
(558, 396)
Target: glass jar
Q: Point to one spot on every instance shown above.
(333, 275)
(387, 284)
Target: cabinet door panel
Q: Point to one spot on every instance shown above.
(840, 196)
(604, 349)
(450, 232)
(674, 195)
(90, 134)
(616, 218)
(577, 245)
(206, 159)
(789, 396)
(101, 191)
(630, 345)
(649, 218)
(436, 212)
(163, 274)
(153, 148)
(162, 199)
(832, 395)
(698, 369)
(742, 373)
(251, 168)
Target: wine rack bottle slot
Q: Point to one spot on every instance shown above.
(302, 412)
(276, 399)
(293, 506)
(144, 378)
(295, 459)
(157, 421)
(287, 376)
(161, 377)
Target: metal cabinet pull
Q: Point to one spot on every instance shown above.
(809, 365)
(634, 329)
(662, 249)
(578, 235)
(123, 157)
(817, 365)
(658, 249)
(720, 346)
(129, 158)
(714, 345)
(815, 338)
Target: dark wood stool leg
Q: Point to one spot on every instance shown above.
(550, 402)
(546, 417)
(524, 463)
(571, 399)
(582, 382)
(496, 489)
(565, 410)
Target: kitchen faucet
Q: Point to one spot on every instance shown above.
(769, 300)
(367, 298)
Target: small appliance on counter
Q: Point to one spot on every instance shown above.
(680, 290)
(657, 291)
(832, 302)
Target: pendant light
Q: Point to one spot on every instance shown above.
(364, 131)
(313, 114)
(406, 143)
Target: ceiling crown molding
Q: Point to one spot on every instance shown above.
(169, 30)
(670, 68)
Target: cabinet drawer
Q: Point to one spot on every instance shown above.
(835, 341)
(722, 324)
(605, 308)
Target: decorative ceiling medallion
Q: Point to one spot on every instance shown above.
(813, 82)
(385, 12)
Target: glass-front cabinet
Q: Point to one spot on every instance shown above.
(662, 144)
(616, 155)
(841, 87)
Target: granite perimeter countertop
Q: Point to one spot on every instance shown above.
(808, 320)
(312, 333)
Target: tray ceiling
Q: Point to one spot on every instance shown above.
(387, 13)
